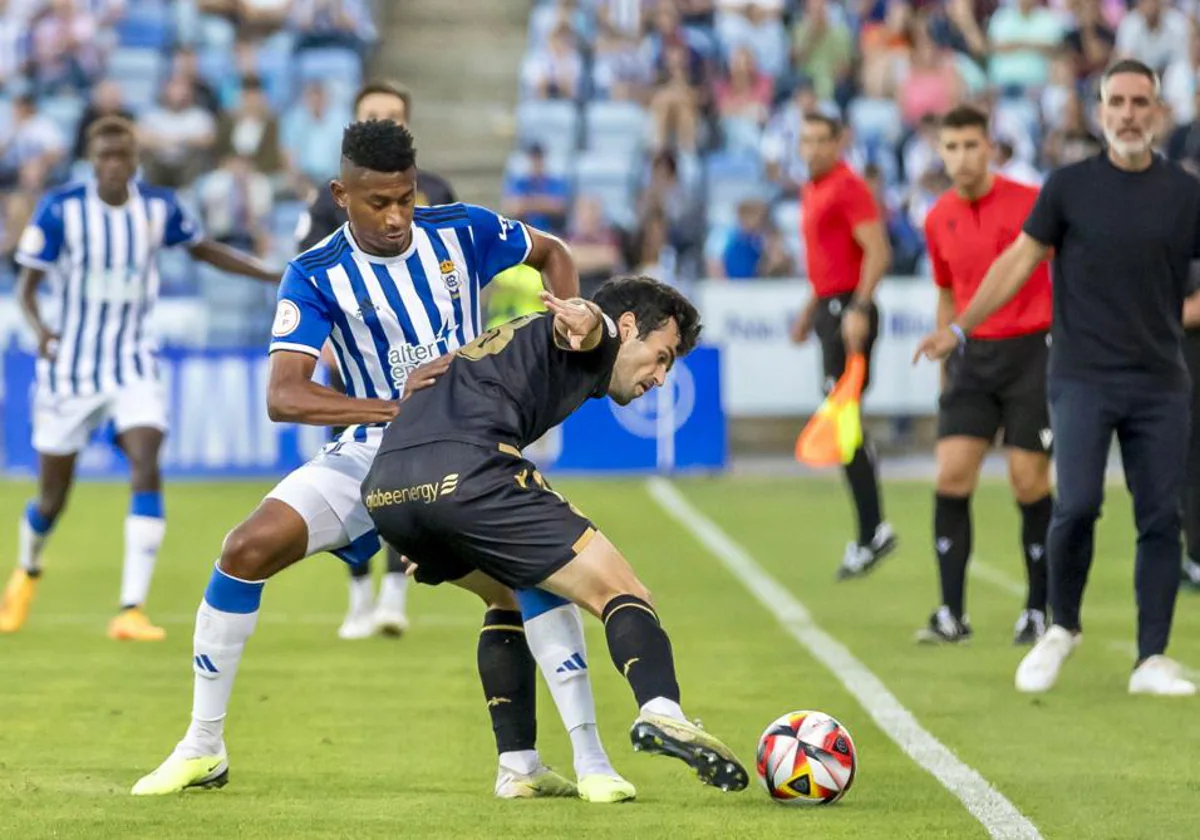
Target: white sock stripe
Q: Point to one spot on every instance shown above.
(999, 817)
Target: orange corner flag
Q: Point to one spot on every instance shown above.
(835, 431)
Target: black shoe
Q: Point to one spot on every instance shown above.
(1030, 627)
(944, 629)
(860, 559)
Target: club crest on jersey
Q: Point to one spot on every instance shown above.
(451, 278)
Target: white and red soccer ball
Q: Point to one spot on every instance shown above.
(806, 758)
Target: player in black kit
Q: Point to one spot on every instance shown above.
(450, 490)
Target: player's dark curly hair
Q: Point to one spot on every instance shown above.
(652, 304)
(379, 145)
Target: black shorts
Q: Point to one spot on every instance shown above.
(998, 384)
(454, 507)
(828, 327)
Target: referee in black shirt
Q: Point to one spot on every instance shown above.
(389, 615)
(1123, 226)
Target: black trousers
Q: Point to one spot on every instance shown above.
(1152, 429)
(1191, 492)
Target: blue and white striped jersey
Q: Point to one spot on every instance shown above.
(387, 315)
(101, 264)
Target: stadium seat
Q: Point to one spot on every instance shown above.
(145, 25)
(138, 70)
(617, 127)
(609, 177)
(517, 164)
(873, 119)
(340, 70)
(731, 179)
(554, 124)
(64, 111)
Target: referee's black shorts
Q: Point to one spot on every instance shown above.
(828, 327)
(454, 507)
(996, 384)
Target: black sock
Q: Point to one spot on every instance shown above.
(1035, 522)
(506, 669)
(360, 570)
(864, 487)
(395, 562)
(952, 541)
(640, 648)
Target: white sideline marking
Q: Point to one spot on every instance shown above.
(995, 577)
(999, 817)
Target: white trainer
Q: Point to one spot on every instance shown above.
(1039, 669)
(358, 624)
(1162, 676)
(389, 622)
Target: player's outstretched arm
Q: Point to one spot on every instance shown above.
(577, 323)
(234, 261)
(1003, 280)
(293, 397)
(553, 259)
(27, 286)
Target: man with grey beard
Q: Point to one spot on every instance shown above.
(1123, 227)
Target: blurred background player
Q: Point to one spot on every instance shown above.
(97, 242)
(848, 253)
(389, 615)
(998, 379)
(394, 290)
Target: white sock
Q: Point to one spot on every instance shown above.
(30, 541)
(556, 640)
(664, 707)
(143, 537)
(393, 594)
(361, 594)
(217, 649)
(524, 762)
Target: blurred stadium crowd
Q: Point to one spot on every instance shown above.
(654, 135)
(239, 104)
(663, 134)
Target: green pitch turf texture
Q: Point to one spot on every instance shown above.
(387, 738)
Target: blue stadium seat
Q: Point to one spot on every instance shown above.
(138, 70)
(731, 179)
(275, 68)
(618, 127)
(553, 123)
(873, 119)
(339, 69)
(64, 111)
(517, 164)
(610, 178)
(145, 25)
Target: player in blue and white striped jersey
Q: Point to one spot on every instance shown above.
(96, 244)
(395, 290)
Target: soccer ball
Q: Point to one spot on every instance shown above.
(806, 758)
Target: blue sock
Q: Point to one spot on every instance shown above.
(147, 503)
(535, 602)
(232, 595)
(38, 523)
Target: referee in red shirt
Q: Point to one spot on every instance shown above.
(848, 253)
(997, 381)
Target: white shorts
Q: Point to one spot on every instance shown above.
(325, 492)
(63, 424)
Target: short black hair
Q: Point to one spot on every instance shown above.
(1130, 65)
(379, 145)
(965, 116)
(110, 126)
(391, 88)
(834, 126)
(653, 304)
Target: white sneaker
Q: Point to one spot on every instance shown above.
(358, 624)
(389, 621)
(1160, 675)
(542, 782)
(1039, 669)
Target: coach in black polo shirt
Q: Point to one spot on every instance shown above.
(1123, 227)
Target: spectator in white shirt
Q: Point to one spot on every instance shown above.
(235, 202)
(64, 51)
(1023, 37)
(554, 72)
(176, 137)
(1154, 35)
(31, 146)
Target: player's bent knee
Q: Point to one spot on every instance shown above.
(247, 554)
